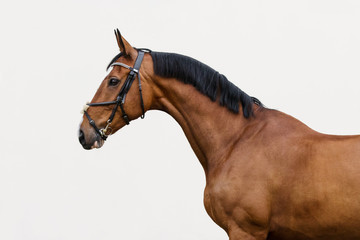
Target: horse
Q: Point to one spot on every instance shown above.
(268, 175)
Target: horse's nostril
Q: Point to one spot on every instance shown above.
(82, 137)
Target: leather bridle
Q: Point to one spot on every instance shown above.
(120, 99)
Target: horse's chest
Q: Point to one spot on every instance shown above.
(214, 207)
(225, 200)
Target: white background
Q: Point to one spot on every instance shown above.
(300, 57)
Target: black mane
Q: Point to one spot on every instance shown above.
(205, 79)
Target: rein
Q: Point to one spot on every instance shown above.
(120, 99)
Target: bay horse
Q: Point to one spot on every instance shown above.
(268, 175)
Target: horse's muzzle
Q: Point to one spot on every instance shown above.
(93, 140)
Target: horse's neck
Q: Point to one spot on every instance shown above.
(211, 129)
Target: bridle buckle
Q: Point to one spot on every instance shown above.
(107, 128)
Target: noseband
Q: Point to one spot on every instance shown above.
(120, 99)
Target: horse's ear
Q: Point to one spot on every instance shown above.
(124, 46)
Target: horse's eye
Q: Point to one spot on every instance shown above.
(113, 81)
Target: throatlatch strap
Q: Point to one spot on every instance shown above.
(140, 57)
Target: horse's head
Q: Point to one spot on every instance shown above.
(123, 95)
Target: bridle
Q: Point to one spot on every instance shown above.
(120, 99)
